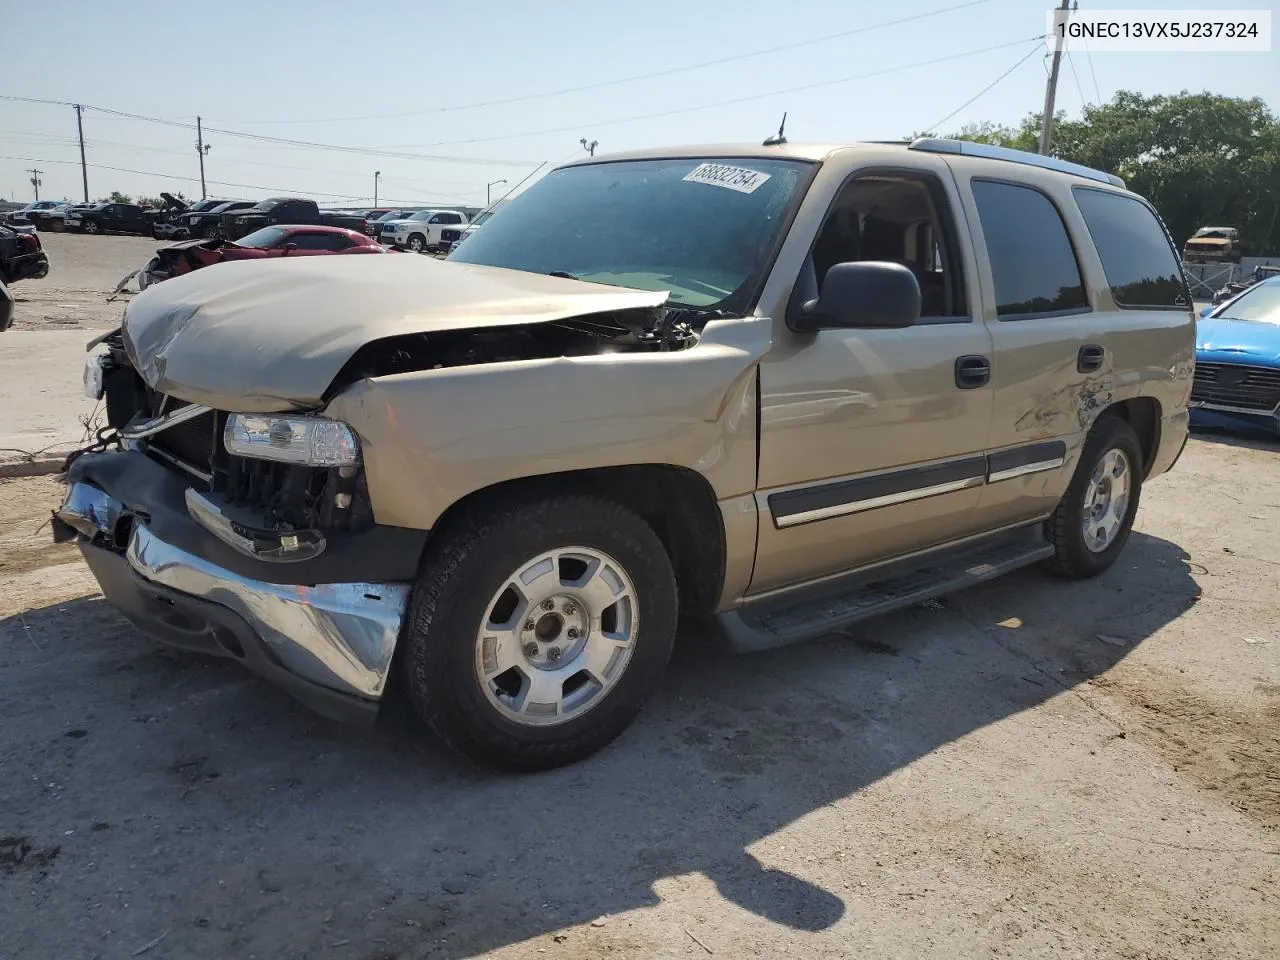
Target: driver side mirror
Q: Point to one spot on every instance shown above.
(863, 295)
(289, 248)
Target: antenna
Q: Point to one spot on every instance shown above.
(781, 138)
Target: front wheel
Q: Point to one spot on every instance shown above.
(210, 232)
(416, 243)
(1092, 522)
(537, 631)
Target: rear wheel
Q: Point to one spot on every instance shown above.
(91, 226)
(417, 243)
(537, 631)
(210, 232)
(1092, 522)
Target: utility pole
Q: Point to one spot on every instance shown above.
(1051, 86)
(84, 169)
(376, 175)
(590, 146)
(202, 148)
(35, 179)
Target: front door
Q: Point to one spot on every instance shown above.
(872, 442)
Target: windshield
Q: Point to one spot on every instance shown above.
(701, 229)
(422, 215)
(1219, 233)
(1258, 303)
(389, 215)
(262, 239)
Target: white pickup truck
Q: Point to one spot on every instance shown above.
(429, 230)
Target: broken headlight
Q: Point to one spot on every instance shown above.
(313, 441)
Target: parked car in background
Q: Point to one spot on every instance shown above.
(426, 230)
(167, 224)
(265, 244)
(208, 223)
(42, 214)
(1236, 287)
(1213, 245)
(375, 226)
(284, 210)
(1237, 379)
(110, 218)
(21, 255)
(472, 227)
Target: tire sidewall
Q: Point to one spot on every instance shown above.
(417, 247)
(1108, 434)
(440, 662)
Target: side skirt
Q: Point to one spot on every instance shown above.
(810, 611)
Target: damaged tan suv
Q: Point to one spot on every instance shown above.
(769, 389)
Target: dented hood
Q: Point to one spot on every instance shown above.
(256, 336)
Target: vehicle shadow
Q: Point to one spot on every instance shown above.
(1250, 438)
(266, 829)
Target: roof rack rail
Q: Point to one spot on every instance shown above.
(968, 148)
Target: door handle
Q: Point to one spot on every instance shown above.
(972, 371)
(1089, 359)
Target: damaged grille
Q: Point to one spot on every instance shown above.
(193, 442)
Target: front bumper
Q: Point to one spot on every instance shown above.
(29, 266)
(1217, 416)
(330, 644)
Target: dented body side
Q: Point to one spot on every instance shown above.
(431, 438)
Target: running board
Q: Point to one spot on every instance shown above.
(808, 612)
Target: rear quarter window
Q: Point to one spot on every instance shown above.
(1137, 256)
(1033, 263)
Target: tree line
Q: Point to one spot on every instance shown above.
(1201, 158)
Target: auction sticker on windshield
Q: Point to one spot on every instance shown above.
(722, 175)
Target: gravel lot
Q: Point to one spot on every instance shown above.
(1030, 769)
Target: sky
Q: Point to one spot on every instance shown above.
(463, 95)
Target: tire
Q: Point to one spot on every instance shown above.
(1079, 552)
(209, 231)
(91, 227)
(468, 580)
(416, 242)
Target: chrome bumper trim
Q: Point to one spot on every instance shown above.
(147, 427)
(339, 635)
(90, 511)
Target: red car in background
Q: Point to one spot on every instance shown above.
(175, 259)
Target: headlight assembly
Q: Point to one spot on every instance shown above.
(313, 441)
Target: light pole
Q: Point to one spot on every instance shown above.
(376, 175)
(589, 146)
(488, 195)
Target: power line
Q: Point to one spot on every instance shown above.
(684, 68)
(314, 145)
(724, 103)
(1079, 89)
(1019, 62)
(1089, 59)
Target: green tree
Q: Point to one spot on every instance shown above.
(1202, 159)
(116, 197)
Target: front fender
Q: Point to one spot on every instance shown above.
(432, 437)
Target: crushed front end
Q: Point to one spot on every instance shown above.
(241, 542)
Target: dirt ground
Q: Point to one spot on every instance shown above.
(83, 272)
(1030, 769)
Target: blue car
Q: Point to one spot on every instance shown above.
(1237, 380)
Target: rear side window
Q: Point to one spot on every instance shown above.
(1032, 262)
(1141, 266)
